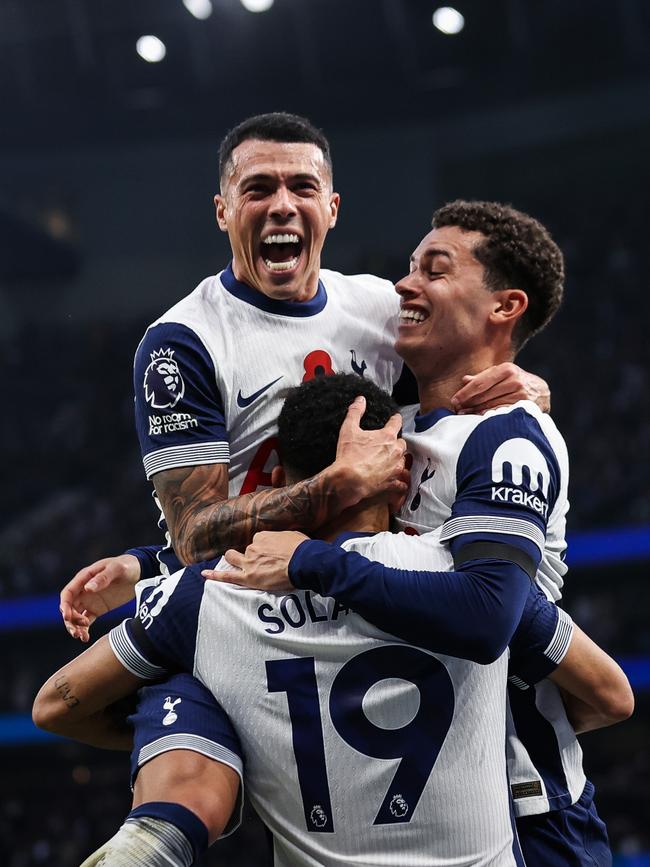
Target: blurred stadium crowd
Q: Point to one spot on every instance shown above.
(71, 456)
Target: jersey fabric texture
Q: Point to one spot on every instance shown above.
(210, 375)
(503, 477)
(356, 743)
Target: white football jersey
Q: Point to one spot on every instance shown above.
(503, 477)
(210, 375)
(359, 748)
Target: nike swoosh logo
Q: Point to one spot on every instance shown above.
(243, 402)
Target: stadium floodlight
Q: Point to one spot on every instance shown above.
(448, 20)
(200, 9)
(150, 48)
(257, 5)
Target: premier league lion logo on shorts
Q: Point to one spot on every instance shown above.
(163, 383)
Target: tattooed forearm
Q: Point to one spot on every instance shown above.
(65, 691)
(233, 523)
(203, 524)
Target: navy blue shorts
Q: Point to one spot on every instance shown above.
(573, 837)
(181, 714)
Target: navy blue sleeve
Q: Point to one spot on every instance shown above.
(471, 613)
(162, 636)
(540, 641)
(507, 483)
(179, 411)
(147, 557)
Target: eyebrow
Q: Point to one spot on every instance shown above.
(433, 252)
(305, 176)
(264, 176)
(259, 176)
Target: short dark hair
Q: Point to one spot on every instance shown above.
(518, 252)
(277, 126)
(312, 415)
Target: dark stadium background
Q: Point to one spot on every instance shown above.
(107, 171)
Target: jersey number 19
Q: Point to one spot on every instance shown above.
(417, 744)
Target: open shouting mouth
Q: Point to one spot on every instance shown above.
(281, 252)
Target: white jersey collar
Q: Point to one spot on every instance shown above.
(426, 421)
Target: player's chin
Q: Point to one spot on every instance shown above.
(406, 340)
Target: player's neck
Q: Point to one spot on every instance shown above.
(308, 288)
(437, 393)
(437, 386)
(371, 518)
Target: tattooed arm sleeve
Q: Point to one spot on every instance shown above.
(203, 522)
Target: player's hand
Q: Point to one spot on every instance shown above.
(369, 462)
(97, 589)
(265, 563)
(501, 385)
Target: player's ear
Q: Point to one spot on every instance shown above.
(335, 203)
(509, 305)
(220, 208)
(278, 477)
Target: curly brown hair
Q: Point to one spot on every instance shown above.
(518, 252)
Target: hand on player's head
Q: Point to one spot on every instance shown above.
(374, 460)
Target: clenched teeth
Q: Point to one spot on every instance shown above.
(281, 266)
(413, 315)
(281, 239)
